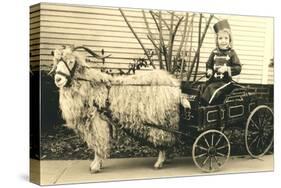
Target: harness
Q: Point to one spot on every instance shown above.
(71, 71)
(105, 112)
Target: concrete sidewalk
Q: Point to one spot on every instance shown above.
(77, 171)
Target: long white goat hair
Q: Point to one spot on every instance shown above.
(136, 102)
(156, 102)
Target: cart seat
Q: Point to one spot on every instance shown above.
(238, 93)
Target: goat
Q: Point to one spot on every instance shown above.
(145, 105)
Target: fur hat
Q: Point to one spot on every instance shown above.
(222, 25)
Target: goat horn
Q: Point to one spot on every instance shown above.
(52, 70)
(54, 65)
(91, 52)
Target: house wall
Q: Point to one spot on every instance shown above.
(53, 25)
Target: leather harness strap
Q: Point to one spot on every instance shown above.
(71, 71)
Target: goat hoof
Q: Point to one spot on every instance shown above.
(95, 168)
(158, 166)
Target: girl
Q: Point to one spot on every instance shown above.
(222, 64)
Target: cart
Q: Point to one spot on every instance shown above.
(207, 125)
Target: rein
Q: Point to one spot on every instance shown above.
(71, 71)
(119, 84)
(71, 77)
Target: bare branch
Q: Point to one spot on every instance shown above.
(146, 24)
(153, 16)
(191, 43)
(199, 40)
(136, 36)
(162, 43)
(171, 12)
(150, 36)
(164, 21)
(197, 52)
(170, 43)
(183, 37)
(153, 42)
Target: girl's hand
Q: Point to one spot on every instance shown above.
(209, 73)
(222, 69)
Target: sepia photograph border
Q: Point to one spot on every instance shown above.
(210, 30)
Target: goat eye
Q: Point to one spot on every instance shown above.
(70, 63)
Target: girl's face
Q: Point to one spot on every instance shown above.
(223, 40)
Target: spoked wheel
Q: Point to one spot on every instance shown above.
(259, 131)
(211, 150)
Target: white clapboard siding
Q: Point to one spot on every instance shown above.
(53, 25)
(34, 49)
(270, 75)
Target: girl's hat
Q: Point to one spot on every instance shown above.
(221, 25)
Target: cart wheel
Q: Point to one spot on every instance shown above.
(259, 131)
(211, 150)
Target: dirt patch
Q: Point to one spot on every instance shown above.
(63, 144)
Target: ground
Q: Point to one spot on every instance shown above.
(62, 143)
(77, 171)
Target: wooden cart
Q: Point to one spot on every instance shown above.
(207, 125)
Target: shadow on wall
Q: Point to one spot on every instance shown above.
(49, 107)
(49, 104)
(50, 112)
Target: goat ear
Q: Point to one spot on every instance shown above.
(52, 69)
(57, 53)
(71, 47)
(83, 62)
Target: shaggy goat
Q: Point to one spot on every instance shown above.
(144, 105)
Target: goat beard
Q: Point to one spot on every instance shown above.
(76, 101)
(72, 106)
